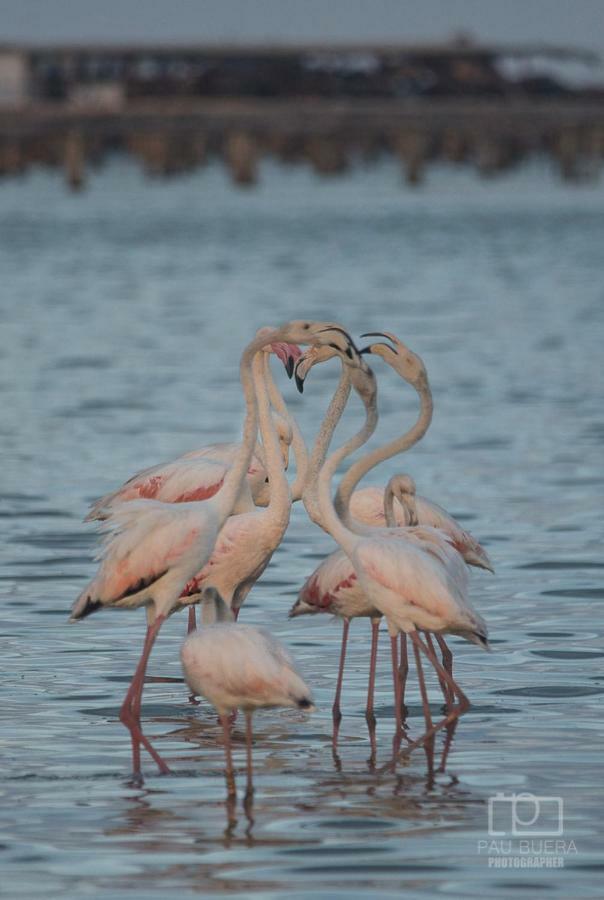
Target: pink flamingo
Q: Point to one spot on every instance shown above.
(247, 541)
(199, 474)
(238, 666)
(416, 582)
(333, 587)
(153, 548)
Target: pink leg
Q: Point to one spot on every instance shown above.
(130, 709)
(447, 658)
(397, 697)
(336, 712)
(230, 775)
(369, 714)
(444, 688)
(191, 627)
(429, 744)
(403, 671)
(455, 711)
(248, 747)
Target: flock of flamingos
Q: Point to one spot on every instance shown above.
(202, 529)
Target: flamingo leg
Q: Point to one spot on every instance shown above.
(191, 627)
(369, 713)
(447, 657)
(248, 747)
(228, 755)
(444, 688)
(336, 711)
(429, 744)
(131, 707)
(398, 713)
(403, 670)
(455, 711)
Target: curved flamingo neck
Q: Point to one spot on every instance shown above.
(298, 442)
(310, 496)
(226, 497)
(280, 499)
(359, 469)
(330, 520)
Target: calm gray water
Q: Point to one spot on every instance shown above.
(123, 312)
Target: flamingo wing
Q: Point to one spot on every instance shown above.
(180, 481)
(145, 541)
(367, 506)
(334, 588)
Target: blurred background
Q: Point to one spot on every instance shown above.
(175, 175)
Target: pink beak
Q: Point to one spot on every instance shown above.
(288, 354)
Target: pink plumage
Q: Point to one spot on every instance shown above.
(367, 506)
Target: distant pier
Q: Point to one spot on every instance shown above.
(329, 108)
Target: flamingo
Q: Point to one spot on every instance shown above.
(416, 585)
(200, 473)
(237, 666)
(333, 586)
(153, 548)
(248, 540)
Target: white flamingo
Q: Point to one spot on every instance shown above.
(239, 667)
(154, 548)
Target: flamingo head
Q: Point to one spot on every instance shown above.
(403, 488)
(322, 334)
(403, 360)
(362, 377)
(288, 353)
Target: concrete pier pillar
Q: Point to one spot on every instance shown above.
(74, 160)
(12, 158)
(412, 149)
(241, 158)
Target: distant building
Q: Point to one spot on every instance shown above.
(110, 76)
(15, 78)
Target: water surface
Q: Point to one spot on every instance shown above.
(123, 312)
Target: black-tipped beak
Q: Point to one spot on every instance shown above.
(345, 334)
(382, 335)
(289, 366)
(299, 383)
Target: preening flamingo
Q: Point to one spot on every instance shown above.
(237, 666)
(153, 549)
(368, 505)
